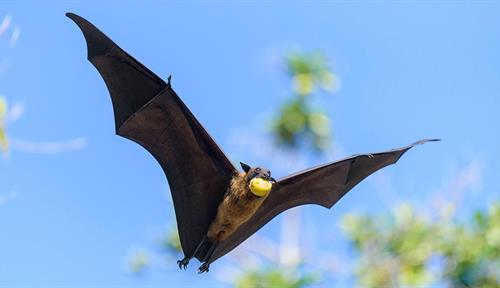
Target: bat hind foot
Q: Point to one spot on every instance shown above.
(183, 263)
(203, 268)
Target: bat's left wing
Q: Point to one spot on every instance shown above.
(323, 185)
(149, 112)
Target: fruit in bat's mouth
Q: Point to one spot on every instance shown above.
(260, 187)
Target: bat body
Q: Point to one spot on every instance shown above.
(216, 206)
(238, 205)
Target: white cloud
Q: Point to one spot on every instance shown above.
(14, 31)
(14, 37)
(5, 24)
(48, 147)
(5, 198)
(253, 144)
(272, 57)
(4, 65)
(464, 180)
(469, 177)
(15, 112)
(383, 184)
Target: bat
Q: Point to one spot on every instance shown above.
(217, 207)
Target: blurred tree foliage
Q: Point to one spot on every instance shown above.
(4, 23)
(297, 120)
(139, 262)
(3, 137)
(171, 241)
(410, 249)
(275, 278)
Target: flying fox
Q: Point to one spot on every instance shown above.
(217, 207)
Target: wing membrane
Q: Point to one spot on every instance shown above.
(149, 112)
(323, 185)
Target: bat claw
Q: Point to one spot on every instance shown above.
(169, 79)
(203, 268)
(183, 263)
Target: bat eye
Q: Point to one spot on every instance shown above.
(257, 169)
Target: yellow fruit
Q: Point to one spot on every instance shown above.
(260, 187)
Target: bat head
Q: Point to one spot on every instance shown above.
(256, 172)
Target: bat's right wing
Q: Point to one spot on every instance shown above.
(150, 113)
(323, 185)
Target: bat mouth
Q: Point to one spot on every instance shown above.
(260, 187)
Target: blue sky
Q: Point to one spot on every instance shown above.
(408, 71)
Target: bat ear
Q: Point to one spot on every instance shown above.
(245, 167)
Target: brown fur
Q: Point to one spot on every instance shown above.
(238, 206)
